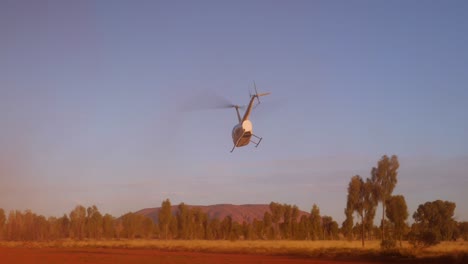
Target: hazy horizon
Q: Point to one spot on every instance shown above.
(91, 96)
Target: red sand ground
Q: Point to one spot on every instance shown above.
(119, 256)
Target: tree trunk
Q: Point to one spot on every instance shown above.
(383, 220)
(362, 231)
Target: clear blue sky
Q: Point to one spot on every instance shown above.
(91, 92)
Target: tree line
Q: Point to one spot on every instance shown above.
(433, 221)
(282, 221)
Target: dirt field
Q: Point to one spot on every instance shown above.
(120, 256)
(232, 252)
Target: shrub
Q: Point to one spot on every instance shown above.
(425, 238)
(388, 244)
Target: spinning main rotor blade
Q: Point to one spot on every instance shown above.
(233, 106)
(220, 102)
(206, 100)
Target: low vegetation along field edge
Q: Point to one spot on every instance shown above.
(446, 252)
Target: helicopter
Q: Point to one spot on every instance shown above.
(242, 132)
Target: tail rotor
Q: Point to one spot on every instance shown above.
(256, 92)
(257, 95)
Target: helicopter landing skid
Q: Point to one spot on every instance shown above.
(258, 142)
(259, 139)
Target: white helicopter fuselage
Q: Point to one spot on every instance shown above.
(241, 133)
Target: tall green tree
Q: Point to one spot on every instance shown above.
(276, 210)
(2, 222)
(304, 228)
(370, 206)
(362, 201)
(247, 231)
(54, 228)
(129, 225)
(119, 228)
(268, 227)
(287, 221)
(64, 226)
(14, 225)
(41, 228)
(348, 223)
(165, 217)
(328, 227)
(183, 221)
(78, 222)
(258, 229)
(463, 230)
(294, 223)
(108, 226)
(397, 213)
(384, 179)
(199, 223)
(355, 203)
(214, 229)
(334, 230)
(434, 222)
(134, 226)
(94, 222)
(227, 227)
(315, 223)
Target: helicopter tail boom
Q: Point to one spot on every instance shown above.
(251, 103)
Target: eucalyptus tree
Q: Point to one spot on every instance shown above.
(384, 179)
(165, 217)
(78, 222)
(315, 223)
(434, 222)
(2, 222)
(362, 201)
(397, 213)
(277, 212)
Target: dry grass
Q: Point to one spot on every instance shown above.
(446, 251)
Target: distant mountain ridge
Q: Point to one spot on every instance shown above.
(239, 213)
